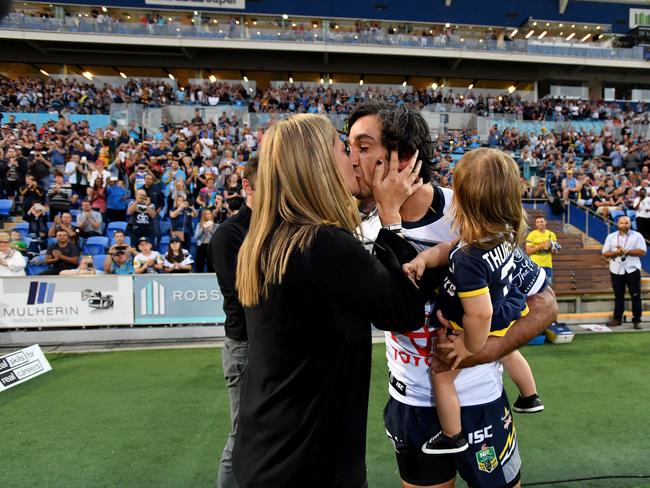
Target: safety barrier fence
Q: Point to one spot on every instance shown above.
(43, 302)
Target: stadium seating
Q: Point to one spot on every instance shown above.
(164, 245)
(98, 262)
(95, 245)
(34, 269)
(5, 208)
(113, 226)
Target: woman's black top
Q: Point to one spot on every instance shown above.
(304, 402)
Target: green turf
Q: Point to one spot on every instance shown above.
(159, 418)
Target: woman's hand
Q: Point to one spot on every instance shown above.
(415, 268)
(392, 188)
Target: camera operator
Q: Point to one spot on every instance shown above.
(141, 214)
(624, 248)
(86, 267)
(120, 256)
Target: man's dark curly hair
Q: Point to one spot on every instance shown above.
(403, 129)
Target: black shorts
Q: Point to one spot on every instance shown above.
(491, 461)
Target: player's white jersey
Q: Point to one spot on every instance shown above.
(409, 355)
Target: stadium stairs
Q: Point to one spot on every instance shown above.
(581, 279)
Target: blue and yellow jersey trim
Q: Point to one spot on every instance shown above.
(498, 332)
(473, 293)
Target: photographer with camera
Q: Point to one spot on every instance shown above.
(141, 214)
(624, 248)
(86, 267)
(541, 244)
(120, 256)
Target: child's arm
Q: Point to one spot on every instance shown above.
(477, 319)
(433, 257)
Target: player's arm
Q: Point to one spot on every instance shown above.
(542, 313)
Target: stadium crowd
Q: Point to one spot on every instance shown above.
(74, 96)
(120, 195)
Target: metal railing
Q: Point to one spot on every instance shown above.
(323, 35)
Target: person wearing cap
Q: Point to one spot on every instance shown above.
(148, 260)
(177, 259)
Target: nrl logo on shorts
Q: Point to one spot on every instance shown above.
(487, 459)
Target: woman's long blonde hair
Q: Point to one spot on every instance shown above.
(298, 190)
(487, 199)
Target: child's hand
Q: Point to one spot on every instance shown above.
(415, 268)
(457, 350)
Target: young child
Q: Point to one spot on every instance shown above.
(477, 295)
(147, 261)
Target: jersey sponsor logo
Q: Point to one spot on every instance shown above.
(480, 435)
(486, 459)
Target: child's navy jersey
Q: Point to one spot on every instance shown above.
(473, 271)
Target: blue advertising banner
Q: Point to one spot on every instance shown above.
(177, 299)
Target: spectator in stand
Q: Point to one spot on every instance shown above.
(77, 172)
(539, 192)
(182, 216)
(60, 197)
(141, 213)
(623, 248)
(86, 268)
(100, 171)
(541, 244)
(18, 243)
(208, 194)
(233, 189)
(39, 165)
(63, 221)
(61, 255)
(138, 176)
(202, 236)
(12, 173)
(157, 198)
(177, 259)
(604, 204)
(30, 194)
(12, 262)
(119, 259)
(116, 197)
(89, 221)
(37, 230)
(642, 207)
(148, 260)
(97, 195)
(58, 154)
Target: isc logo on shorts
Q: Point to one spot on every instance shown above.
(480, 435)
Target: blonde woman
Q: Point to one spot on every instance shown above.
(310, 292)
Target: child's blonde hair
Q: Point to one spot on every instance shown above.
(487, 199)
